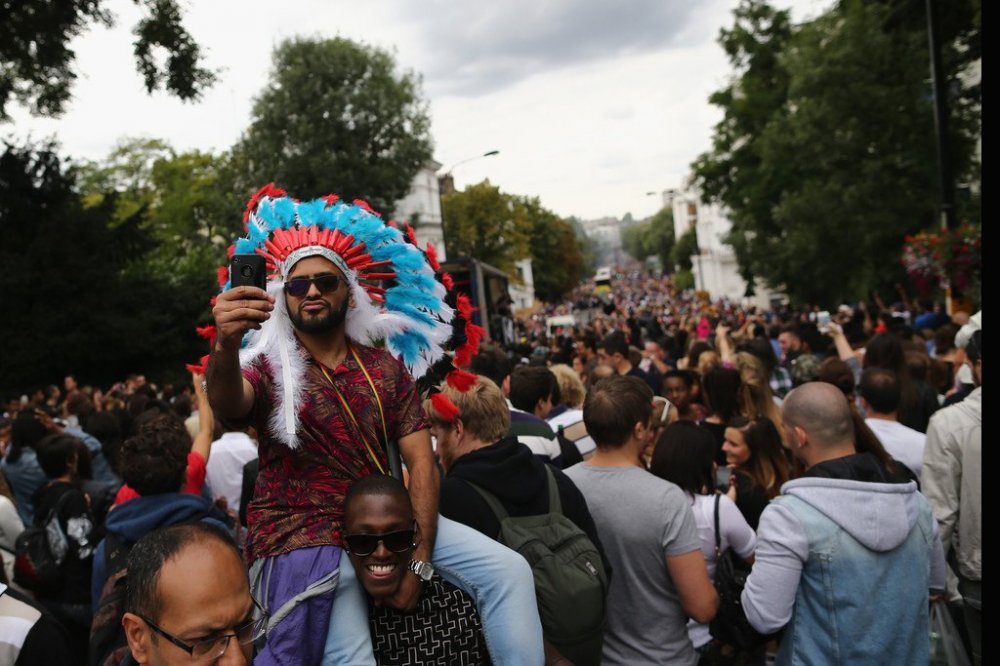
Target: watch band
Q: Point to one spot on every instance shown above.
(424, 570)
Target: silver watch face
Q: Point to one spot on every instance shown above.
(423, 569)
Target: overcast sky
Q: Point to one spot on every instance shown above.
(591, 103)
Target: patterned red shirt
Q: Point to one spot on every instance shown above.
(299, 497)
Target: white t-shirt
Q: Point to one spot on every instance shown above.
(226, 459)
(735, 533)
(904, 444)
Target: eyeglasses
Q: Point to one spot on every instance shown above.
(364, 545)
(209, 649)
(299, 287)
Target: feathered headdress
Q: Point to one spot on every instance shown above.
(396, 295)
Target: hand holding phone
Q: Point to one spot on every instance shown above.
(823, 321)
(239, 309)
(247, 270)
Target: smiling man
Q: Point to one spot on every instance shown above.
(322, 363)
(380, 536)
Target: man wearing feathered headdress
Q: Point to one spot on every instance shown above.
(298, 361)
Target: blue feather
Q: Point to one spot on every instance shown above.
(284, 212)
(408, 344)
(312, 213)
(245, 246)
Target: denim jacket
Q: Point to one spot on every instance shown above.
(846, 566)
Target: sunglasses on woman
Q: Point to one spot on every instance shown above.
(299, 287)
(364, 545)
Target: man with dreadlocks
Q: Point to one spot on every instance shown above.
(296, 360)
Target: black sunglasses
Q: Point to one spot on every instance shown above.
(299, 287)
(213, 648)
(364, 545)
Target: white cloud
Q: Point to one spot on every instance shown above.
(591, 104)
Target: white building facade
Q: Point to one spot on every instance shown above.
(422, 208)
(715, 268)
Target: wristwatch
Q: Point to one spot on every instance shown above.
(424, 570)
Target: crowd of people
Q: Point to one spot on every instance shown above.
(563, 500)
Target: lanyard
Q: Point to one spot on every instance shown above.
(350, 412)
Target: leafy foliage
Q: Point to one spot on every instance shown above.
(652, 237)
(77, 295)
(36, 61)
(684, 249)
(556, 259)
(335, 115)
(484, 223)
(825, 156)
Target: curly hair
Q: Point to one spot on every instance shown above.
(154, 460)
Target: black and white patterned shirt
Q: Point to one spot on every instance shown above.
(443, 629)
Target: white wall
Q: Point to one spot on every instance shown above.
(423, 206)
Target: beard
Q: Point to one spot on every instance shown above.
(321, 322)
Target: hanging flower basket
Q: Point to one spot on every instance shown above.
(939, 259)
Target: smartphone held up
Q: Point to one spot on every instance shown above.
(247, 270)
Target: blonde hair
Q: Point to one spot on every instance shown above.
(482, 408)
(707, 360)
(571, 390)
(755, 395)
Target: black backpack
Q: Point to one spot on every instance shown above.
(39, 552)
(571, 585)
(108, 644)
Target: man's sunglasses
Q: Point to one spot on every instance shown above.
(364, 545)
(299, 287)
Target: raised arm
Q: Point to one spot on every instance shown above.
(236, 311)
(425, 489)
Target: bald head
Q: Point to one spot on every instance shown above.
(822, 411)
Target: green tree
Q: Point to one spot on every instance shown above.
(651, 237)
(336, 116)
(185, 202)
(825, 156)
(37, 58)
(556, 258)
(682, 251)
(77, 296)
(486, 224)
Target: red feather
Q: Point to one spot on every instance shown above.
(212, 300)
(223, 275)
(230, 251)
(448, 283)
(194, 368)
(473, 335)
(461, 380)
(364, 204)
(269, 190)
(331, 199)
(444, 407)
(432, 257)
(206, 332)
(411, 235)
(464, 307)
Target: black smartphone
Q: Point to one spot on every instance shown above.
(247, 270)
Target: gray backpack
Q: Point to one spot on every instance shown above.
(570, 583)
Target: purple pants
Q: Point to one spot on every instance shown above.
(296, 589)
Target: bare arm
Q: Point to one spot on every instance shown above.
(206, 419)
(844, 350)
(723, 344)
(236, 311)
(425, 489)
(697, 594)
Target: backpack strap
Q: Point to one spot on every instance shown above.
(718, 538)
(491, 500)
(54, 511)
(555, 505)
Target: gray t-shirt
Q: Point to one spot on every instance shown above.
(641, 520)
